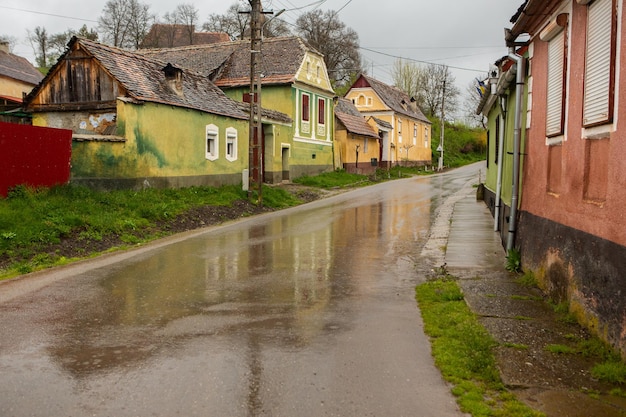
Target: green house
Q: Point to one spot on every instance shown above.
(499, 105)
(142, 122)
(295, 82)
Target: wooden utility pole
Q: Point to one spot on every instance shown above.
(255, 158)
(443, 121)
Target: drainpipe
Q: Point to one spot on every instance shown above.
(496, 217)
(519, 90)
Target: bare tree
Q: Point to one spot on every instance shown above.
(139, 21)
(187, 15)
(39, 40)
(338, 43)
(113, 22)
(232, 22)
(407, 76)
(124, 23)
(436, 83)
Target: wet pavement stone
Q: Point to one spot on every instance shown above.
(520, 319)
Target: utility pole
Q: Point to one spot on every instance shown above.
(443, 123)
(255, 158)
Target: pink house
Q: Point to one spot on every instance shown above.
(572, 210)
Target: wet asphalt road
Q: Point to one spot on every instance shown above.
(305, 312)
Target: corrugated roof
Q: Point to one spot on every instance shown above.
(18, 68)
(396, 99)
(352, 119)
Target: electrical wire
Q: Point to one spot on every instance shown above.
(49, 14)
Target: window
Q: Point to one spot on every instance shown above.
(415, 134)
(425, 137)
(212, 143)
(306, 109)
(365, 141)
(321, 111)
(399, 131)
(600, 63)
(557, 68)
(231, 144)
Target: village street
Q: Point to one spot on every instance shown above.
(305, 312)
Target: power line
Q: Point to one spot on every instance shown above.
(419, 61)
(49, 14)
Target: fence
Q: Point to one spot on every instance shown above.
(34, 156)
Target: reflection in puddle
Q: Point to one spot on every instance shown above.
(278, 282)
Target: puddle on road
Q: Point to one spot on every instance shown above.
(284, 282)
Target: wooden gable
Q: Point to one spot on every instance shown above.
(77, 81)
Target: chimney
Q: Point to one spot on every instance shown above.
(4, 47)
(174, 79)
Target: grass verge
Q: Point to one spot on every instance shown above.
(41, 227)
(463, 351)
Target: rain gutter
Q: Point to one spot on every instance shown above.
(519, 90)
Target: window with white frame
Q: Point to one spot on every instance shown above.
(399, 130)
(414, 133)
(212, 142)
(556, 37)
(365, 142)
(600, 63)
(425, 137)
(231, 144)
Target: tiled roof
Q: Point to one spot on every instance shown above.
(352, 119)
(396, 99)
(164, 35)
(144, 80)
(228, 63)
(382, 123)
(18, 68)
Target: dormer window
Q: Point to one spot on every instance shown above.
(174, 78)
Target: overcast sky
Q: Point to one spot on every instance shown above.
(465, 35)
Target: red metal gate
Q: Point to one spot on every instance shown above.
(34, 156)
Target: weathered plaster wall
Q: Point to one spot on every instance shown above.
(163, 146)
(582, 269)
(13, 88)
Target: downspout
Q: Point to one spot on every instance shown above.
(519, 90)
(496, 217)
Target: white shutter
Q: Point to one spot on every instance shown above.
(598, 62)
(556, 61)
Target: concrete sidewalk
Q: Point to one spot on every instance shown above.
(520, 320)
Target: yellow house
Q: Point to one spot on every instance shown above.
(17, 77)
(357, 147)
(407, 142)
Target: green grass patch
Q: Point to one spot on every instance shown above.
(528, 280)
(526, 298)
(560, 349)
(463, 351)
(334, 179)
(517, 346)
(612, 371)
